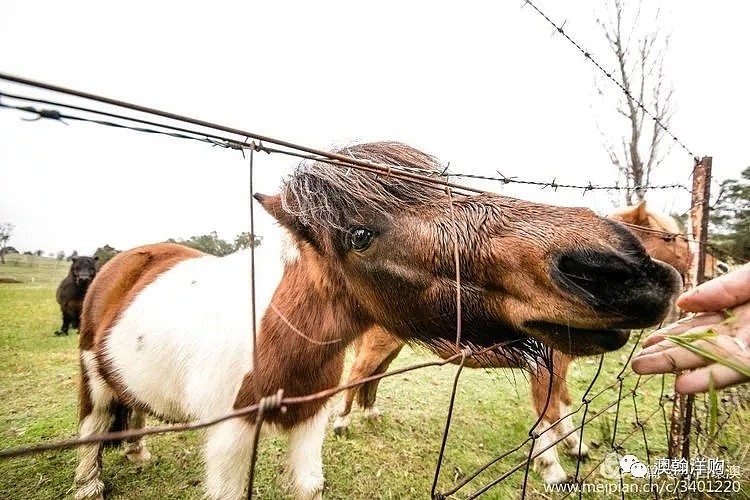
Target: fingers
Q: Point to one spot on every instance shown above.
(719, 293)
(699, 380)
(667, 357)
(691, 324)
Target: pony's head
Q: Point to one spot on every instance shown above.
(564, 276)
(659, 234)
(83, 270)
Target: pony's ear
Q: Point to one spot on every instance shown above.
(272, 205)
(641, 214)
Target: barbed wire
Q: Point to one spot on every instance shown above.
(553, 184)
(560, 28)
(255, 142)
(227, 142)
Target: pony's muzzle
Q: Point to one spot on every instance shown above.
(635, 288)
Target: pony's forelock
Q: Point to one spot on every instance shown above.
(320, 195)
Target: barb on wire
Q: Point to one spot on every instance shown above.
(50, 114)
(250, 141)
(60, 116)
(589, 186)
(587, 55)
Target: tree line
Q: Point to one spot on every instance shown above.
(209, 243)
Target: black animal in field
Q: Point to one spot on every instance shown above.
(72, 289)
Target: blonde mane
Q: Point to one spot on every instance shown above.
(663, 222)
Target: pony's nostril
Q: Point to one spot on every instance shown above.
(638, 290)
(592, 270)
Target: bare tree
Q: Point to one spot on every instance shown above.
(6, 229)
(639, 54)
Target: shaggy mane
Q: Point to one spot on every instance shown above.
(324, 195)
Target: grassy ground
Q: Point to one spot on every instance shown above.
(390, 459)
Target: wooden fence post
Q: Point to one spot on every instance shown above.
(697, 239)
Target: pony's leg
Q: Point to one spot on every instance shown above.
(306, 456)
(65, 325)
(95, 417)
(573, 441)
(369, 391)
(135, 448)
(227, 455)
(375, 351)
(343, 419)
(366, 361)
(547, 463)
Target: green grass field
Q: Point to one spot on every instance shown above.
(393, 458)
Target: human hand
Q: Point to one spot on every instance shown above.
(728, 344)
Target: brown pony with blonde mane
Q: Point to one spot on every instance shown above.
(377, 349)
(664, 240)
(167, 330)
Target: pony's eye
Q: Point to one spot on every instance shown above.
(360, 239)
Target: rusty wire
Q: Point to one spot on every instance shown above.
(519, 465)
(448, 417)
(560, 28)
(600, 462)
(441, 181)
(241, 412)
(266, 405)
(249, 142)
(554, 185)
(252, 268)
(639, 425)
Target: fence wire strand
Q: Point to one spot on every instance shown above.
(227, 142)
(235, 139)
(560, 28)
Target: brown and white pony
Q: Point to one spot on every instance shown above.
(166, 330)
(377, 349)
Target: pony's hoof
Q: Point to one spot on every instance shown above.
(340, 425)
(373, 413)
(142, 455)
(313, 490)
(582, 454)
(58, 333)
(554, 474)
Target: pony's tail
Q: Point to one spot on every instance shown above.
(121, 414)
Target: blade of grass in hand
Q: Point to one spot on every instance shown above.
(741, 369)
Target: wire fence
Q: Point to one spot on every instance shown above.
(629, 409)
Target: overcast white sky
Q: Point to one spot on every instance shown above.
(483, 85)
